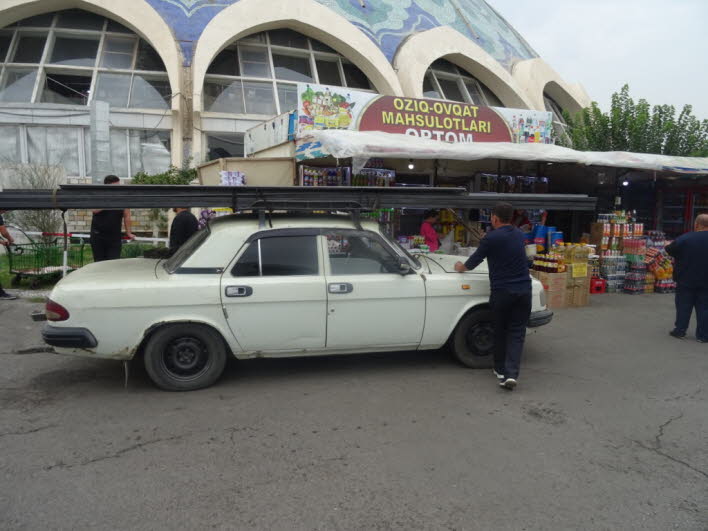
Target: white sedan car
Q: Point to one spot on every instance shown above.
(298, 286)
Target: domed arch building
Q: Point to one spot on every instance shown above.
(122, 87)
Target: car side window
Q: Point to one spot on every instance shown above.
(358, 253)
(279, 256)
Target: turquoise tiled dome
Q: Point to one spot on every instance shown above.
(386, 22)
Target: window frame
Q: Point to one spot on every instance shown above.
(51, 32)
(312, 53)
(560, 127)
(258, 237)
(462, 77)
(391, 249)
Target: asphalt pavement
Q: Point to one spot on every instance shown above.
(607, 430)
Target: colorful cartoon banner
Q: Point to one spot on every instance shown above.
(323, 107)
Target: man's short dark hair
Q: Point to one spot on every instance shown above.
(504, 211)
(111, 179)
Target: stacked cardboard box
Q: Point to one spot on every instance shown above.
(555, 286)
(577, 289)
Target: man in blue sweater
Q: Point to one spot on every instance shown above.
(691, 274)
(510, 283)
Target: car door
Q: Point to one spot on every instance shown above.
(274, 294)
(370, 304)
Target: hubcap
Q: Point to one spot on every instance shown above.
(480, 339)
(185, 358)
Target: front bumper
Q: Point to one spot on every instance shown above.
(68, 337)
(540, 318)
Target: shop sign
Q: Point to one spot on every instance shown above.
(323, 107)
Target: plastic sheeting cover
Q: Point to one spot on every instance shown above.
(361, 146)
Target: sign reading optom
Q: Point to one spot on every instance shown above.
(438, 120)
(324, 107)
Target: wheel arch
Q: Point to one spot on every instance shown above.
(472, 307)
(150, 331)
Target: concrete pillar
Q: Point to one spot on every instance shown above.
(100, 136)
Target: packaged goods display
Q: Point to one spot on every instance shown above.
(565, 273)
(661, 266)
(316, 176)
(613, 268)
(656, 240)
(374, 177)
(386, 218)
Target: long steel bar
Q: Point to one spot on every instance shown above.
(265, 198)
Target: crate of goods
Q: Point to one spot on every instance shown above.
(577, 292)
(555, 286)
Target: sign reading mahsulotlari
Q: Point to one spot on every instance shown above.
(323, 107)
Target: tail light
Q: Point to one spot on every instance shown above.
(55, 311)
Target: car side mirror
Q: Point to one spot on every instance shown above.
(404, 268)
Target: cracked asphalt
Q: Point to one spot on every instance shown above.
(607, 430)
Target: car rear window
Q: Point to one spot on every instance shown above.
(187, 249)
(279, 256)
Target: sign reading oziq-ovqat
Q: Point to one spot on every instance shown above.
(322, 107)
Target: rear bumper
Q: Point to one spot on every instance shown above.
(68, 337)
(540, 318)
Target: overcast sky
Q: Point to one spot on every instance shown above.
(658, 47)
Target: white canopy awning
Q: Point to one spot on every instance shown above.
(362, 145)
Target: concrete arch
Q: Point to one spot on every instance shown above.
(537, 77)
(304, 16)
(145, 21)
(419, 51)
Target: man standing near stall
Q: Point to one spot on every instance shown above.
(105, 229)
(5, 239)
(183, 227)
(691, 254)
(510, 288)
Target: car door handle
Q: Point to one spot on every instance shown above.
(340, 288)
(238, 291)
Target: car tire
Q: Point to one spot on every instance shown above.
(185, 357)
(472, 342)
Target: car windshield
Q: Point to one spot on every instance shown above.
(397, 246)
(184, 252)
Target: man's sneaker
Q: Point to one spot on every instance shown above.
(499, 376)
(677, 335)
(7, 297)
(508, 383)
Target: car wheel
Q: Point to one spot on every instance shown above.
(185, 357)
(473, 340)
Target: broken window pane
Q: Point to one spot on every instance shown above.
(66, 88)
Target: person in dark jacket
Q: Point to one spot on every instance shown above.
(183, 227)
(510, 291)
(691, 274)
(105, 229)
(5, 239)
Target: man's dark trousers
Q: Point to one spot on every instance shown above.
(105, 248)
(511, 312)
(686, 300)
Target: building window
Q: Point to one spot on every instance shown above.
(46, 146)
(132, 150)
(74, 57)
(560, 127)
(10, 147)
(139, 150)
(259, 74)
(445, 81)
(223, 145)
